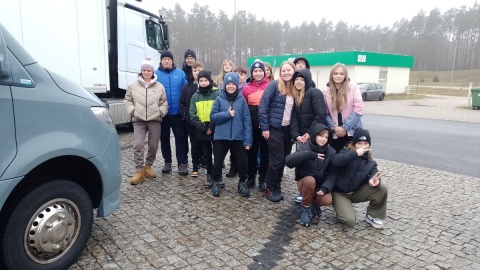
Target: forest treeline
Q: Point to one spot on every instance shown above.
(435, 39)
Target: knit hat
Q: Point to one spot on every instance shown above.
(298, 74)
(361, 135)
(190, 53)
(166, 54)
(257, 64)
(307, 65)
(205, 74)
(230, 77)
(147, 64)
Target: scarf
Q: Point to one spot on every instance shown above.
(231, 97)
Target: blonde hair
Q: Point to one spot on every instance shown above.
(285, 87)
(197, 64)
(219, 80)
(339, 95)
(298, 94)
(271, 77)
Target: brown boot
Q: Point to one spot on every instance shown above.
(149, 173)
(137, 178)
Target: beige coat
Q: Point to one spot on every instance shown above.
(146, 102)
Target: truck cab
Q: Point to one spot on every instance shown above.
(98, 44)
(59, 160)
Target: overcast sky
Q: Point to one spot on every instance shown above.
(366, 12)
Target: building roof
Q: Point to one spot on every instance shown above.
(358, 58)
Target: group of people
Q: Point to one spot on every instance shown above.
(259, 119)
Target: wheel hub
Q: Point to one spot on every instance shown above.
(52, 230)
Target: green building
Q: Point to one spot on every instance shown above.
(392, 71)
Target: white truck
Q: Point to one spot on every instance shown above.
(99, 44)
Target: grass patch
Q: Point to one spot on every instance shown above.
(461, 78)
(440, 91)
(403, 96)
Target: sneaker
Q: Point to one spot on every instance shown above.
(167, 167)
(299, 198)
(316, 213)
(375, 222)
(250, 182)
(305, 216)
(215, 189)
(194, 171)
(182, 169)
(243, 189)
(221, 184)
(209, 183)
(272, 196)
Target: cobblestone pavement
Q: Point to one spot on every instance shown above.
(172, 222)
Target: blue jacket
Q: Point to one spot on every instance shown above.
(237, 128)
(173, 81)
(272, 105)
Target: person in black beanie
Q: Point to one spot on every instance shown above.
(358, 180)
(172, 79)
(189, 57)
(200, 107)
(301, 63)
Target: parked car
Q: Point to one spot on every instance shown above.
(59, 160)
(372, 91)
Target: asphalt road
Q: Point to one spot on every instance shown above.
(438, 144)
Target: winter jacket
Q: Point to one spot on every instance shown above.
(306, 162)
(188, 90)
(200, 109)
(146, 102)
(351, 114)
(272, 105)
(173, 81)
(253, 93)
(237, 128)
(188, 72)
(311, 112)
(353, 171)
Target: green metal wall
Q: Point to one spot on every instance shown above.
(348, 58)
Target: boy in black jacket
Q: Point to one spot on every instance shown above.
(315, 179)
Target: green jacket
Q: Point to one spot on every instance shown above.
(200, 108)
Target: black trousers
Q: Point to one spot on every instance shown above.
(207, 150)
(258, 143)
(279, 146)
(220, 150)
(195, 146)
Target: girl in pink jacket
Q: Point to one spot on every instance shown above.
(344, 106)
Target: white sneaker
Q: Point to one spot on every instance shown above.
(375, 222)
(299, 198)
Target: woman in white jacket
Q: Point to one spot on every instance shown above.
(146, 102)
